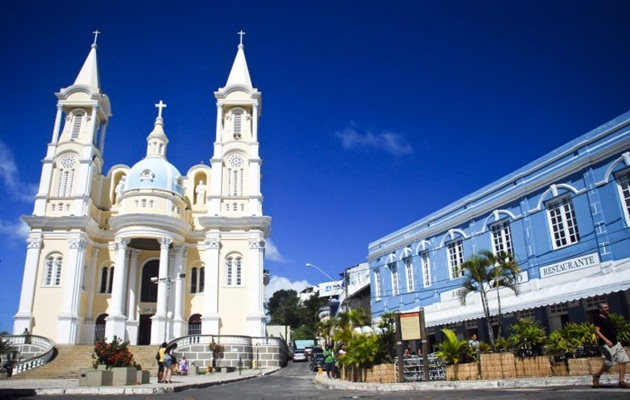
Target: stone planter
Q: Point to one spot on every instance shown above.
(123, 376)
(497, 366)
(462, 372)
(533, 367)
(142, 377)
(559, 369)
(95, 377)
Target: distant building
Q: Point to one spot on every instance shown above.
(144, 252)
(356, 288)
(566, 219)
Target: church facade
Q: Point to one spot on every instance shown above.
(146, 253)
(564, 217)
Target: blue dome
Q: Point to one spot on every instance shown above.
(154, 173)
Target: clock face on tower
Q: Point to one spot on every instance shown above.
(236, 161)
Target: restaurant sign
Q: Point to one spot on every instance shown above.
(574, 264)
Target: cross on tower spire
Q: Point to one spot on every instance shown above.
(241, 34)
(160, 106)
(96, 33)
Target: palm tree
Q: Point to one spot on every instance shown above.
(503, 273)
(476, 278)
(485, 271)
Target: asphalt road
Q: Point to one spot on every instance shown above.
(297, 382)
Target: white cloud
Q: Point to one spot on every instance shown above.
(10, 177)
(17, 230)
(279, 283)
(272, 253)
(389, 142)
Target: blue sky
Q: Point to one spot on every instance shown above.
(375, 113)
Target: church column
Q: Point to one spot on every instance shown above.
(255, 122)
(24, 316)
(55, 134)
(101, 143)
(219, 122)
(179, 324)
(132, 302)
(69, 322)
(93, 117)
(158, 325)
(210, 317)
(255, 314)
(116, 319)
(88, 322)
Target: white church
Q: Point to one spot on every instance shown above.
(145, 252)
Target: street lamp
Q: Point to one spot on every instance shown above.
(167, 280)
(320, 270)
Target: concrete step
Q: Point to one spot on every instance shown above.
(69, 360)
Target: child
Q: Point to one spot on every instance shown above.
(183, 366)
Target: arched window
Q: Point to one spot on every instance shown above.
(52, 273)
(107, 279)
(197, 279)
(194, 325)
(393, 269)
(77, 124)
(233, 271)
(66, 166)
(237, 124)
(235, 175)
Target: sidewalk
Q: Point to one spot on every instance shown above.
(13, 387)
(518, 383)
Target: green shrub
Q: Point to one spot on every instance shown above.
(572, 341)
(453, 350)
(622, 327)
(527, 338)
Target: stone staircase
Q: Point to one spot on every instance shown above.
(70, 359)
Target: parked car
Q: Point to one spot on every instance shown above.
(299, 355)
(316, 350)
(317, 361)
(308, 351)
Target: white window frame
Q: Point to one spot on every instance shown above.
(411, 285)
(52, 272)
(502, 237)
(234, 271)
(393, 269)
(377, 285)
(562, 222)
(426, 267)
(455, 251)
(623, 185)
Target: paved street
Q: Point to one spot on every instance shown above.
(297, 382)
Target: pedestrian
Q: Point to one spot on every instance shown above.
(169, 361)
(612, 351)
(407, 352)
(473, 343)
(160, 359)
(329, 362)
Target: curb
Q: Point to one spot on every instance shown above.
(456, 385)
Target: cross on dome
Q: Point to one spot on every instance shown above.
(96, 33)
(241, 34)
(160, 106)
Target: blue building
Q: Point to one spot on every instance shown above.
(566, 219)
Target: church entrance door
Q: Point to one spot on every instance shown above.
(144, 331)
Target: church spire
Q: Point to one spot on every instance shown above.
(89, 72)
(157, 140)
(239, 75)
